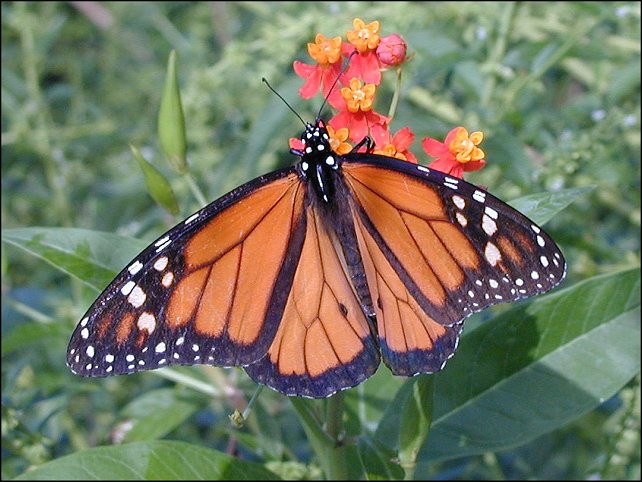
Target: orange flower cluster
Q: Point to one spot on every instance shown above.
(353, 97)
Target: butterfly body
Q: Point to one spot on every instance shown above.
(310, 275)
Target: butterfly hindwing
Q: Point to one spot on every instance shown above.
(323, 343)
(202, 293)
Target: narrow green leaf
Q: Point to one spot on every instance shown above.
(537, 367)
(158, 186)
(416, 417)
(543, 206)
(158, 460)
(88, 255)
(171, 121)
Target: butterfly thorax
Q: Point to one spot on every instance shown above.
(318, 163)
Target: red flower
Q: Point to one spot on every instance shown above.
(393, 146)
(327, 53)
(458, 153)
(356, 113)
(391, 50)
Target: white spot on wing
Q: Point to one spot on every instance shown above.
(488, 225)
(493, 256)
(459, 202)
(491, 212)
(127, 288)
(479, 196)
(168, 279)
(135, 268)
(161, 263)
(461, 219)
(147, 322)
(192, 218)
(161, 241)
(137, 297)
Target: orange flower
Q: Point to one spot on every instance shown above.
(393, 146)
(358, 98)
(325, 51)
(458, 152)
(338, 140)
(364, 37)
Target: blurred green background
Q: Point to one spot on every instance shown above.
(555, 86)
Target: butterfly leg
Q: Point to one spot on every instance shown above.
(366, 141)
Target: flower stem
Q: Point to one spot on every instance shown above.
(395, 96)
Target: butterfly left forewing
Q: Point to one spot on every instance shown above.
(444, 249)
(203, 292)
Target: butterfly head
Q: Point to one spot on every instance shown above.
(316, 150)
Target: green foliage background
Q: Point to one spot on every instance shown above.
(555, 86)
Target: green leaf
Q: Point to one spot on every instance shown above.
(416, 416)
(541, 207)
(88, 255)
(24, 336)
(158, 186)
(537, 367)
(156, 413)
(158, 460)
(378, 461)
(171, 121)
(368, 403)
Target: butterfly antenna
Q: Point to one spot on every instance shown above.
(343, 71)
(284, 101)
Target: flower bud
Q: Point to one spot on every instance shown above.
(391, 50)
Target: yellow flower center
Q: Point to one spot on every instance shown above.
(464, 147)
(357, 97)
(364, 37)
(325, 51)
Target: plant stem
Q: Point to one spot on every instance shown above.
(498, 52)
(325, 443)
(196, 191)
(337, 463)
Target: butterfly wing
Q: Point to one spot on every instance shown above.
(211, 290)
(323, 343)
(435, 250)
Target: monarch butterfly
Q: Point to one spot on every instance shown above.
(309, 275)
